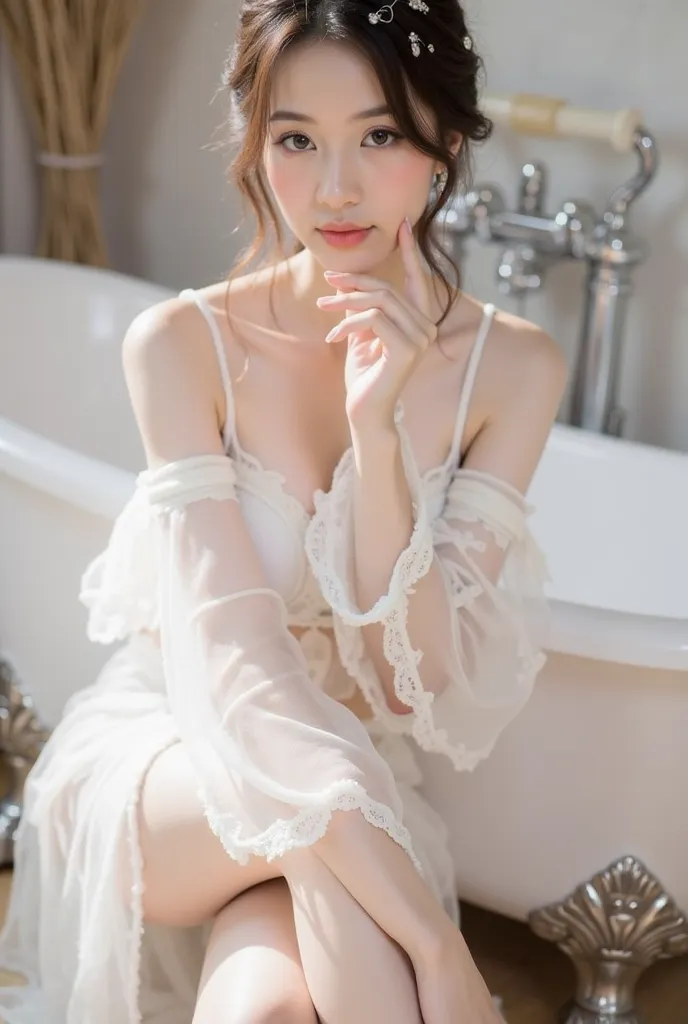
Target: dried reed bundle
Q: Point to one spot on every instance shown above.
(69, 54)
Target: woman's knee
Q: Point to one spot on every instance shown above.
(285, 1011)
(252, 972)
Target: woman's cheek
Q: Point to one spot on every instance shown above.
(288, 183)
(406, 184)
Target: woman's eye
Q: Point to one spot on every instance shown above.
(297, 142)
(297, 138)
(383, 137)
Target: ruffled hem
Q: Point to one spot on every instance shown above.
(306, 827)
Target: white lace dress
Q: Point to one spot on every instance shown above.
(258, 711)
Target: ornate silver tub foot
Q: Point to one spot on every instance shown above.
(613, 927)
(22, 737)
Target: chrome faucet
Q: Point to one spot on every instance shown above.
(531, 242)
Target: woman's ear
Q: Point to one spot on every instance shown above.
(455, 141)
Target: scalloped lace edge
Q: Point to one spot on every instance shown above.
(307, 826)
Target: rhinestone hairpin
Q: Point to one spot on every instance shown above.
(385, 14)
(417, 42)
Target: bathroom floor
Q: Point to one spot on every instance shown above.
(535, 979)
(532, 977)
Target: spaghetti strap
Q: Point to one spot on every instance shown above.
(228, 432)
(469, 381)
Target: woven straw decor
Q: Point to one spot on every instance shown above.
(68, 54)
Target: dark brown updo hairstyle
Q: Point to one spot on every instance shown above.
(445, 81)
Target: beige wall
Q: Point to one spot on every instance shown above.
(169, 214)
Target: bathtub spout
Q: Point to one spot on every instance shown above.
(22, 738)
(613, 927)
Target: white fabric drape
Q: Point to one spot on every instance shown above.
(477, 643)
(275, 756)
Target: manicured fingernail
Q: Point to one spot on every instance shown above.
(407, 222)
(331, 273)
(331, 335)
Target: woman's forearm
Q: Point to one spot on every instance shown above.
(383, 521)
(382, 512)
(381, 877)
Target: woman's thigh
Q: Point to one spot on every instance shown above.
(252, 972)
(354, 972)
(188, 876)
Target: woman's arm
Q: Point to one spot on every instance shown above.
(508, 447)
(443, 623)
(269, 747)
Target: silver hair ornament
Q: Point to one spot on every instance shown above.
(385, 14)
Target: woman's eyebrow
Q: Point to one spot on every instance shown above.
(363, 115)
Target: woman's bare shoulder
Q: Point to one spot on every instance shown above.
(169, 364)
(510, 338)
(521, 354)
(167, 330)
(170, 330)
(520, 388)
(522, 368)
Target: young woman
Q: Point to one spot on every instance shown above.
(325, 563)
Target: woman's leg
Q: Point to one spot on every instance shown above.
(354, 972)
(252, 971)
(187, 875)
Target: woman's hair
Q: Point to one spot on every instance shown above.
(445, 81)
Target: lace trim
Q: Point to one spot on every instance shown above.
(306, 604)
(404, 659)
(125, 602)
(136, 866)
(137, 889)
(355, 659)
(409, 689)
(327, 528)
(331, 522)
(272, 486)
(307, 826)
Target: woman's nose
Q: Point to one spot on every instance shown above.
(338, 185)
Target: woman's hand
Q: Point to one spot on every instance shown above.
(450, 987)
(387, 334)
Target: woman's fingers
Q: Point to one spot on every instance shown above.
(420, 331)
(417, 287)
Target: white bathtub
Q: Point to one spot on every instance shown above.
(597, 765)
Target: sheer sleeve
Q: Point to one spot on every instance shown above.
(119, 587)
(274, 755)
(465, 651)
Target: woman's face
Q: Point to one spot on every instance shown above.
(333, 154)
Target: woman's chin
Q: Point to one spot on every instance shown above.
(363, 259)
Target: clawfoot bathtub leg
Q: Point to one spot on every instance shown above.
(613, 927)
(21, 738)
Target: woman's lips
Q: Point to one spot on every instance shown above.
(345, 239)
